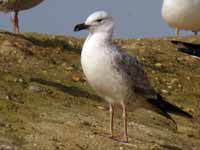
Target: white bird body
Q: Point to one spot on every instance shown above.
(182, 14)
(97, 63)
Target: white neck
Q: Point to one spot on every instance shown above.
(101, 37)
(95, 46)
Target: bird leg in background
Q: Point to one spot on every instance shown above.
(125, 121)
(195, 33)
(15, 22)
(111, 119)
(177, 32)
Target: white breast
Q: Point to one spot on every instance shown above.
(182, 14)
(97, 66)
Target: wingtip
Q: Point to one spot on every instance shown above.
(174, 109)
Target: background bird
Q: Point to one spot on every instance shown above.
(182, 14)
(116, 76)
(15, 6)
(189, 48)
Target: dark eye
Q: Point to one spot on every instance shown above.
(99, 20)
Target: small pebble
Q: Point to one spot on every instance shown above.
(169, 87)
(69, 68)
(100, 107)
(34, 88)
(164, 91)
(158, 65)
(188, 78)
(121, 148)
(179, 85)
(76, 78)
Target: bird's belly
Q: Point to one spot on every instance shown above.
(104, 79)
(185, 15)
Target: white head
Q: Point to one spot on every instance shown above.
(99, 21)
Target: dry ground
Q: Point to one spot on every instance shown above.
(46, 104)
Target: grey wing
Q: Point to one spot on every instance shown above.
(134, 74)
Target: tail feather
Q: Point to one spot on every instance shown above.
(165, 107)
(164, 113)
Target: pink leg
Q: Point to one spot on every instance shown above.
(125, 122)
(111, 119)
(177, 32)
(15, 22)
(195, 33)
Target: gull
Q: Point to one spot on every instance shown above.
(15, 6)
(115, 76)
(182, 14)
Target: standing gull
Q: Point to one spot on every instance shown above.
(182, 14)
(15, 6)
(116, 76)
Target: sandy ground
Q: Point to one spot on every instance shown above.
(46, 104)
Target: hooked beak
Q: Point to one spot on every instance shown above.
(81, 26)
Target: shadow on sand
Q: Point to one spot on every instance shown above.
(45, 42)
(53, 43)
(72, 90)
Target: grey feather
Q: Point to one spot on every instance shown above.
(134, 74)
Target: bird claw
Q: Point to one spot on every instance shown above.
(118, 139)
(125, 139)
